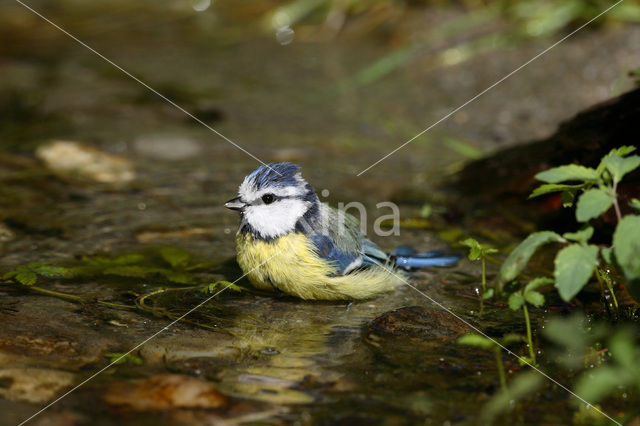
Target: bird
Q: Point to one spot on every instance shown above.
(290, 242)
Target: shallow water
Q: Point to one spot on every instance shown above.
(279, 360)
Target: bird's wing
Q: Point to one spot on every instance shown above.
(372, 255)
(344, 261)
(338, 239)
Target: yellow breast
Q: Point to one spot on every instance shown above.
(290, 264)
(285, 263)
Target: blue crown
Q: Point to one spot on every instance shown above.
(274, 174)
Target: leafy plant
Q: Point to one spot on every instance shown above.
(609, 358)
(483, 342)
(623, 370)
(480, 252)
(521, 386)
(172, 263)
(519, 299)
(28, 274)
(596, 192)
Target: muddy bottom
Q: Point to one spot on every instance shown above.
(162, 179)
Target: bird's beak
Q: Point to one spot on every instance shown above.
(235, 204)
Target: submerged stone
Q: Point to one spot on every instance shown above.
(164, 392)
(37, 385)
(420, 322)
(70, 159)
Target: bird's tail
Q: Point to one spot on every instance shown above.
(406, 257)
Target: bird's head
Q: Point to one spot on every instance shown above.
(273, 199)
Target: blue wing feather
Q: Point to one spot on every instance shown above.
(327, 250)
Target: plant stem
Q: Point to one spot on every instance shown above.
(484, 276)
(600, 275)
(484, 286)
(59, 295)
(616, 206)
(503, 378)
(532, 353)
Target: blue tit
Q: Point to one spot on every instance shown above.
(290, 242)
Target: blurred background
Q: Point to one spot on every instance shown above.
(342, 79)
(93, 162)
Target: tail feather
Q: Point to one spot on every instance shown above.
(406, 257)
(425, 262)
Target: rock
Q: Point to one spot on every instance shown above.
(34, 385)
(6, 234)
(75, 160)
(166, 147)
(419, 322)
(164, 392)
(423, 339)
(183, 347)
(584, 139)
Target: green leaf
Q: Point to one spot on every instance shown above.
(511, 338)
(635, 203)
(569, 172)
(535, 298)
(548, 188)
(131, 271)
(517, 260)
(536, 283)
(607, 254)
(623, 350)
(178, 276)
(487, 294)
(49, 270)
(516, 300)
(573, 267)
(475, 251)
(174, 256)
(26, 277)
(626, 246)
(600, 382)
(9, 275)
(126, 259)
(521, 386)
(593, 203)
(622, 151)
(581, 236)
(463, 148)
(618, 166)
(571, 335)
(476, 340)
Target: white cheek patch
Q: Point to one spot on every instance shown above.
(279, 218)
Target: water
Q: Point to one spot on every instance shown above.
(278, 359)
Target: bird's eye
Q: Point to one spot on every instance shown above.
(268, 198)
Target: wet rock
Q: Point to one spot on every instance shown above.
(166, 147)
(62, 418)
(164, 392)
(418, 322)
(422, 339)
(76, 160)
(6, 234)
(33, 384)
(43, 331)
(583, 139)
(182, 347)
